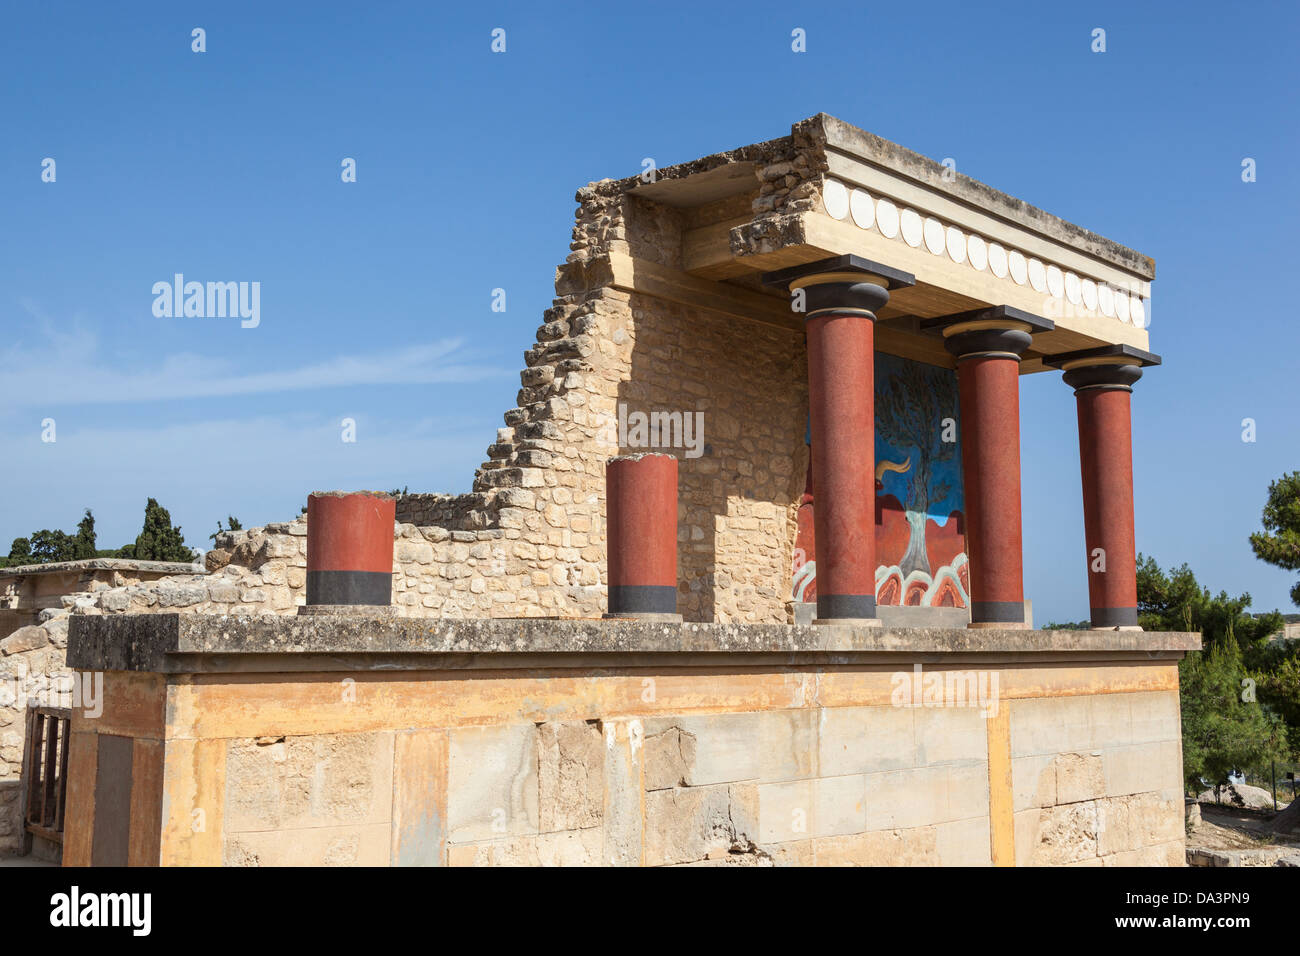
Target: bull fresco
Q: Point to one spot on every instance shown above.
(920, 527)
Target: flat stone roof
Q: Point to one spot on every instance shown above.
(103, 564)
(731, 171)
(899, 159)
(175, 643)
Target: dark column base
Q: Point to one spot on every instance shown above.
(625, 599)
(349, 587)
(846, 606)
(997, 613)
(1114, 617)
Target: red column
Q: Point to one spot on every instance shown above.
(988, 379)
(839, 298)
(350, 548)
(1106, 464)
(641, 536)
(841, 398)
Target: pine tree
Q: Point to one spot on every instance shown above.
(50, 546)
(1225, 730)
(83, 545)
(158, 540)
(1279, 544)
(20, 552)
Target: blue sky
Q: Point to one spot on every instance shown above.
(376, 295)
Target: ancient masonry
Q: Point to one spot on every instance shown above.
(741, 735)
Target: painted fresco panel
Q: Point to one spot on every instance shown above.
(920, 522)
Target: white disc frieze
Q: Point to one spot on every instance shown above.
(1106, 300)
(1088, 289)
(1055, 282)
(861, 208)
(997, 260)
(910, 222)
(835, 198)
(1072, 288)
(1017, 267)
(1037, 275)
(956, 244)
(934, 240)
(887, 218)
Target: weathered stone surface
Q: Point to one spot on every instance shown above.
(570, 848)
(866, 739)
(1033, 781)
(358, 845)
(492, 789)
(669, 757)
(302, 782)
(964, 842)
(726, 748)
(57, 631)
(1203, 856)
(1172, 853)
(115, 600)
(216, 559)
(1079, 777)
(912, 847)
(624, 791)
(950, 735)
(786, 811)
(684, 825)
(517, 851)
(796, 853)
(24, 639)
(1142, 767)
(182, 596)
(1056, 835)
(570, 775)
(903, 799)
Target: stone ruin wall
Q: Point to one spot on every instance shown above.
(542, 485)
(529, 539)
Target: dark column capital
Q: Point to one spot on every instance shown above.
(1001, 331)
(979, 340)
(1106, 367)
(1080, 377)
(841, 285)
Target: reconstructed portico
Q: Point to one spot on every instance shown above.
(844, 324)
(893, 253)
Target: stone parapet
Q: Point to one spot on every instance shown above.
(173, 643)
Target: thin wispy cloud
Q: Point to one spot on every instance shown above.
(72, 369)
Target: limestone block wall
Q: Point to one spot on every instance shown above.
(669, 762)
(1082, 770)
